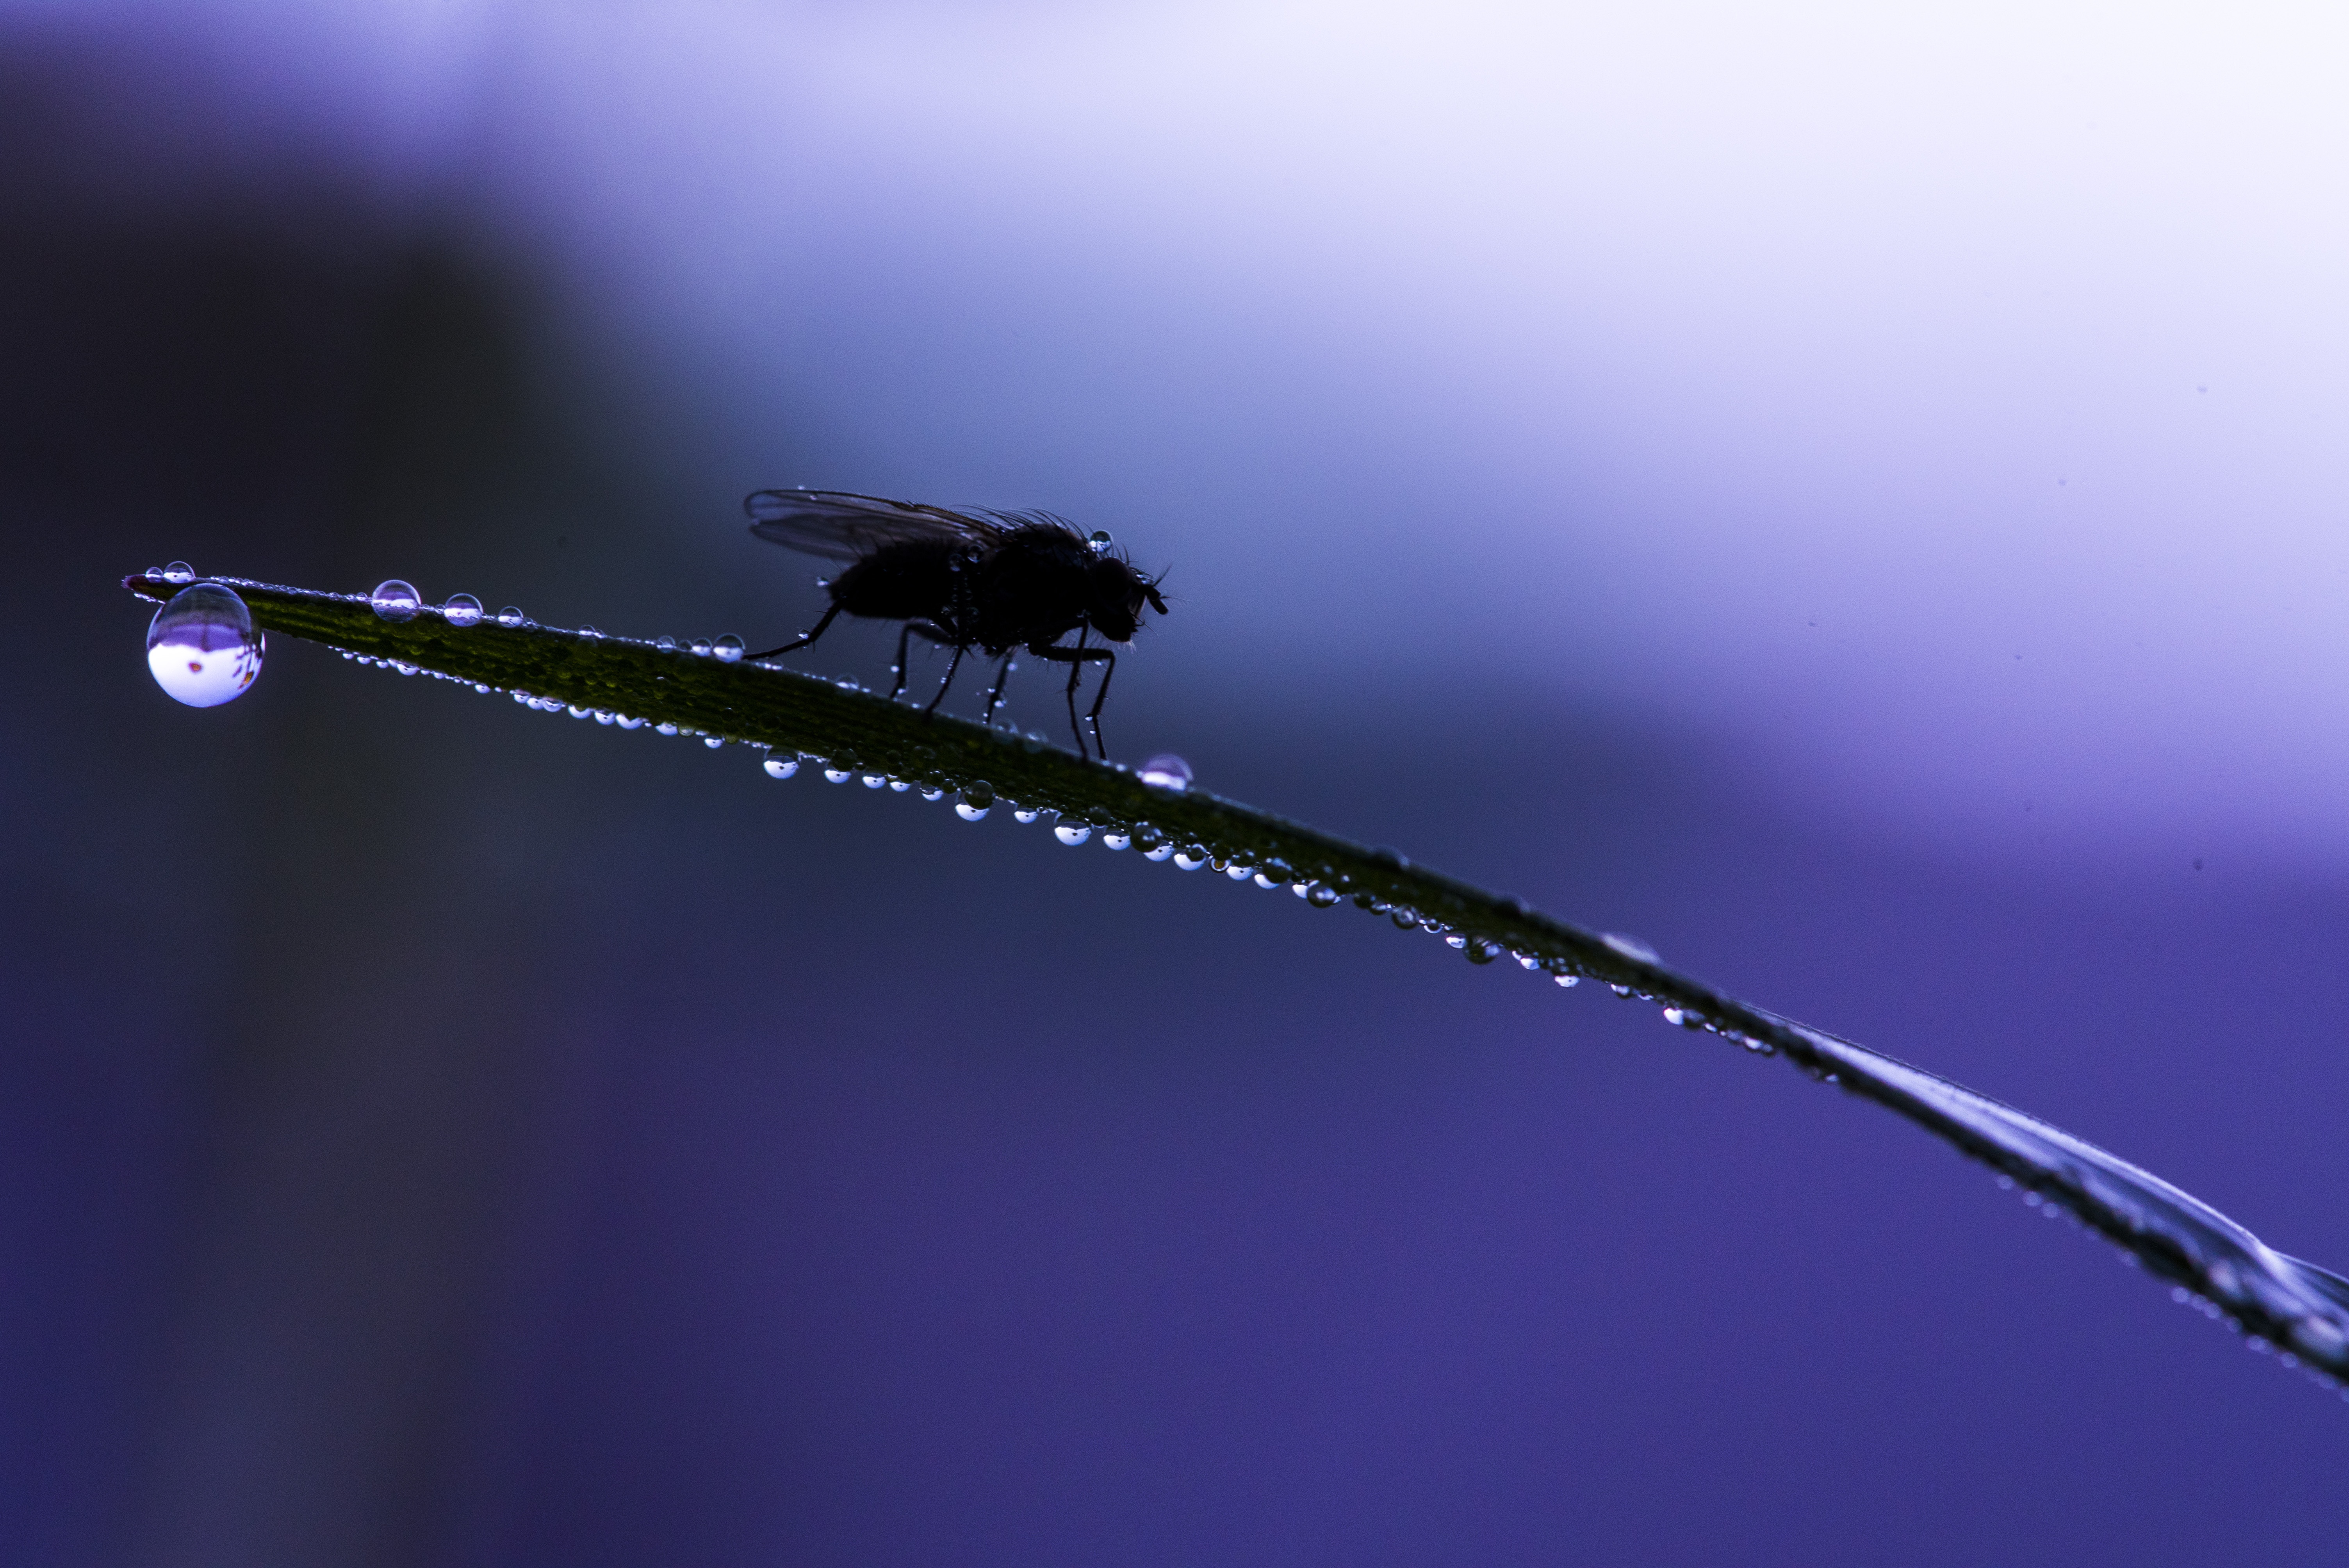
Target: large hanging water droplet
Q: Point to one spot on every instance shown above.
(1072, 832)
(727, 648)
(976, 797)
(1165, 771)
(202, 647)
(461, 609)
(396, 601)
(781, 767)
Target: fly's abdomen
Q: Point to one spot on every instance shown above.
(910, 582)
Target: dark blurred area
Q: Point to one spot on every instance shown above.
(431, 1133)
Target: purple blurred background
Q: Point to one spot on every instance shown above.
(1853, 497)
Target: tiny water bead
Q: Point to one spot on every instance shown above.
(1568, 981)
(929, 794)
(604, 715)
(727, 649)
(1159, 852)
(781, 767)
(1191, 858)
(511, 616)
(1630, 947)
(664, 728)
(202, 647)
(700, 648)
(976, 797)
(875, 780)
(1165, 771)
(625, 722)
(178, 571)
(899, 786)
(666, 644)
(1024, 815)
(396, 601)
(462, 610)
(1100, 540)
(713, 741)
(837, 775)
(1072, 834)
(1114, 840)
(1322, 895)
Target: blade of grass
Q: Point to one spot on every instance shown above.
(2213, 1264)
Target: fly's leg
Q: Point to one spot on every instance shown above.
(952, 665)
(805, 638)
(898, 669)
(1076, 658)
(995, 693)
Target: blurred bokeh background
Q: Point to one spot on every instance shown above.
(1853, 496)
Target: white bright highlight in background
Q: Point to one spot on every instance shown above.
(1943, 407)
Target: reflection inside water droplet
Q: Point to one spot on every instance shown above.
(1159, 852)
(727, 648)
(1568, 981)
(663, 729)
(178, 571)
(462, 610)
(1322, 895)
(781, 767)
(1165, 771)
(875, 780)
(395, 600)
(837, 775)
(714, 741)
(1072, 832)
(701, 647)
(1025, 814)
(202, 647)
(933, 794)
(624, 722)
(1115, 840)
(511, 615)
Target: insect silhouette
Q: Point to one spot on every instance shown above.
(995, 581)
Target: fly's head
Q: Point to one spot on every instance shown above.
(1119, 592)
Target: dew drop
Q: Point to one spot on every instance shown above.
(590, 632)
(1072, 832)
(1239, 872)
(202, 647)
(1266, 883)
(1630, 947)
(713, 741)
(727, 648)
(1455, 941)
(511, 616)
(1568, 981)
(1025, 814)
(663, 729)
(781, 767)
(395, 601)
(624, 722)
(1100, 540)
(700, 647)
(929, 794)
(178, 571)
(1322, 895)
(1159, 852)
(837, 775)
(1190, 858)
(1620, 990)
(462, 610)
(899, 786)
(605, 715)
(1405, 918)
(1116, 840)
(1480, 951)
(577, 712)
(1166, 771)
(875, 780)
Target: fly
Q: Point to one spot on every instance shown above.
(995, 581)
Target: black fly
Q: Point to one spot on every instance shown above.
(995, 581)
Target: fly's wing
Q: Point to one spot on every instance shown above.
(845, 527)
